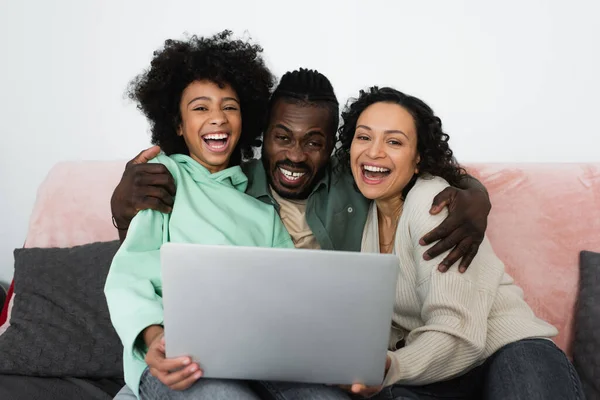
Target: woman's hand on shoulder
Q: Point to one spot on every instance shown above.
(462, 231)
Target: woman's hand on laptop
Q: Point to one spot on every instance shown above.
(367, 391)
(177, 373)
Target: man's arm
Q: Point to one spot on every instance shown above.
(464, 229)
(470, 182)
(143, 186)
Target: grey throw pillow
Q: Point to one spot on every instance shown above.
(60, 325)
(586, 346)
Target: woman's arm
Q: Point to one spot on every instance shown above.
(454, 305)
(133, 278)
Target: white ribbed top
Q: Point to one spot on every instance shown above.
(451, 321)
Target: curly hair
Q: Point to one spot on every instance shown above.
(219, 59)
(432, 143)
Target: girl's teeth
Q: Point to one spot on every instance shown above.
(216, 136)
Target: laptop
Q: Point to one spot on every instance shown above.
(292, 315)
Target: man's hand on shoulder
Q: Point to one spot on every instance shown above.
(143, 186)
(464, 228)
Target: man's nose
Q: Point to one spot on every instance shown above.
(296, 154)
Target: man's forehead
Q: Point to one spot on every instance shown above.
(300, 116)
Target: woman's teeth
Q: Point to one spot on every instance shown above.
(291, 176)
(373, 172)
(372, 168)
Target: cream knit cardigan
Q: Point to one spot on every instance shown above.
(451, 322)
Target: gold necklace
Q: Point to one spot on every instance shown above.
(388, 246)
(390, 242)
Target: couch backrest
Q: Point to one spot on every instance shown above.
(73, 205)
(542, 216)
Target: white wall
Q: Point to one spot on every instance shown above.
(512, 80)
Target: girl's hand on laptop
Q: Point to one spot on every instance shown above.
(367, 391)
(176, 373)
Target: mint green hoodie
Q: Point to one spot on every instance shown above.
(209, 209)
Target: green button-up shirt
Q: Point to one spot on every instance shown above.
(335, 211)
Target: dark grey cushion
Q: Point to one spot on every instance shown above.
(586, 346)
(60, 324)
(16, 387)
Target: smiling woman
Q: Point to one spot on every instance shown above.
(464, 334)
(385, 121)
(374, 140)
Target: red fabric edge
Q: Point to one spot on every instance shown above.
(9, 294)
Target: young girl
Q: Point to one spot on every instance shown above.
(205, 99)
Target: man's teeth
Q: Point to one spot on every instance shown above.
(372, 168)
(292, 176)
(216, 136)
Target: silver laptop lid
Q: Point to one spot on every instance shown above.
(279, 314)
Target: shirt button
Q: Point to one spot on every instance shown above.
(350, 209)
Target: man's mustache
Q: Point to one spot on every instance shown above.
(293, 165)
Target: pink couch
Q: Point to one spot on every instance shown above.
(542, 216)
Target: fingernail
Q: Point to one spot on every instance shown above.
(186, 361)
(462, 269)
(422, 242)
(442, 268)
(198, 375)
(193, 368)
(426, 257)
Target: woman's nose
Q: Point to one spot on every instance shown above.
(375, 149)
